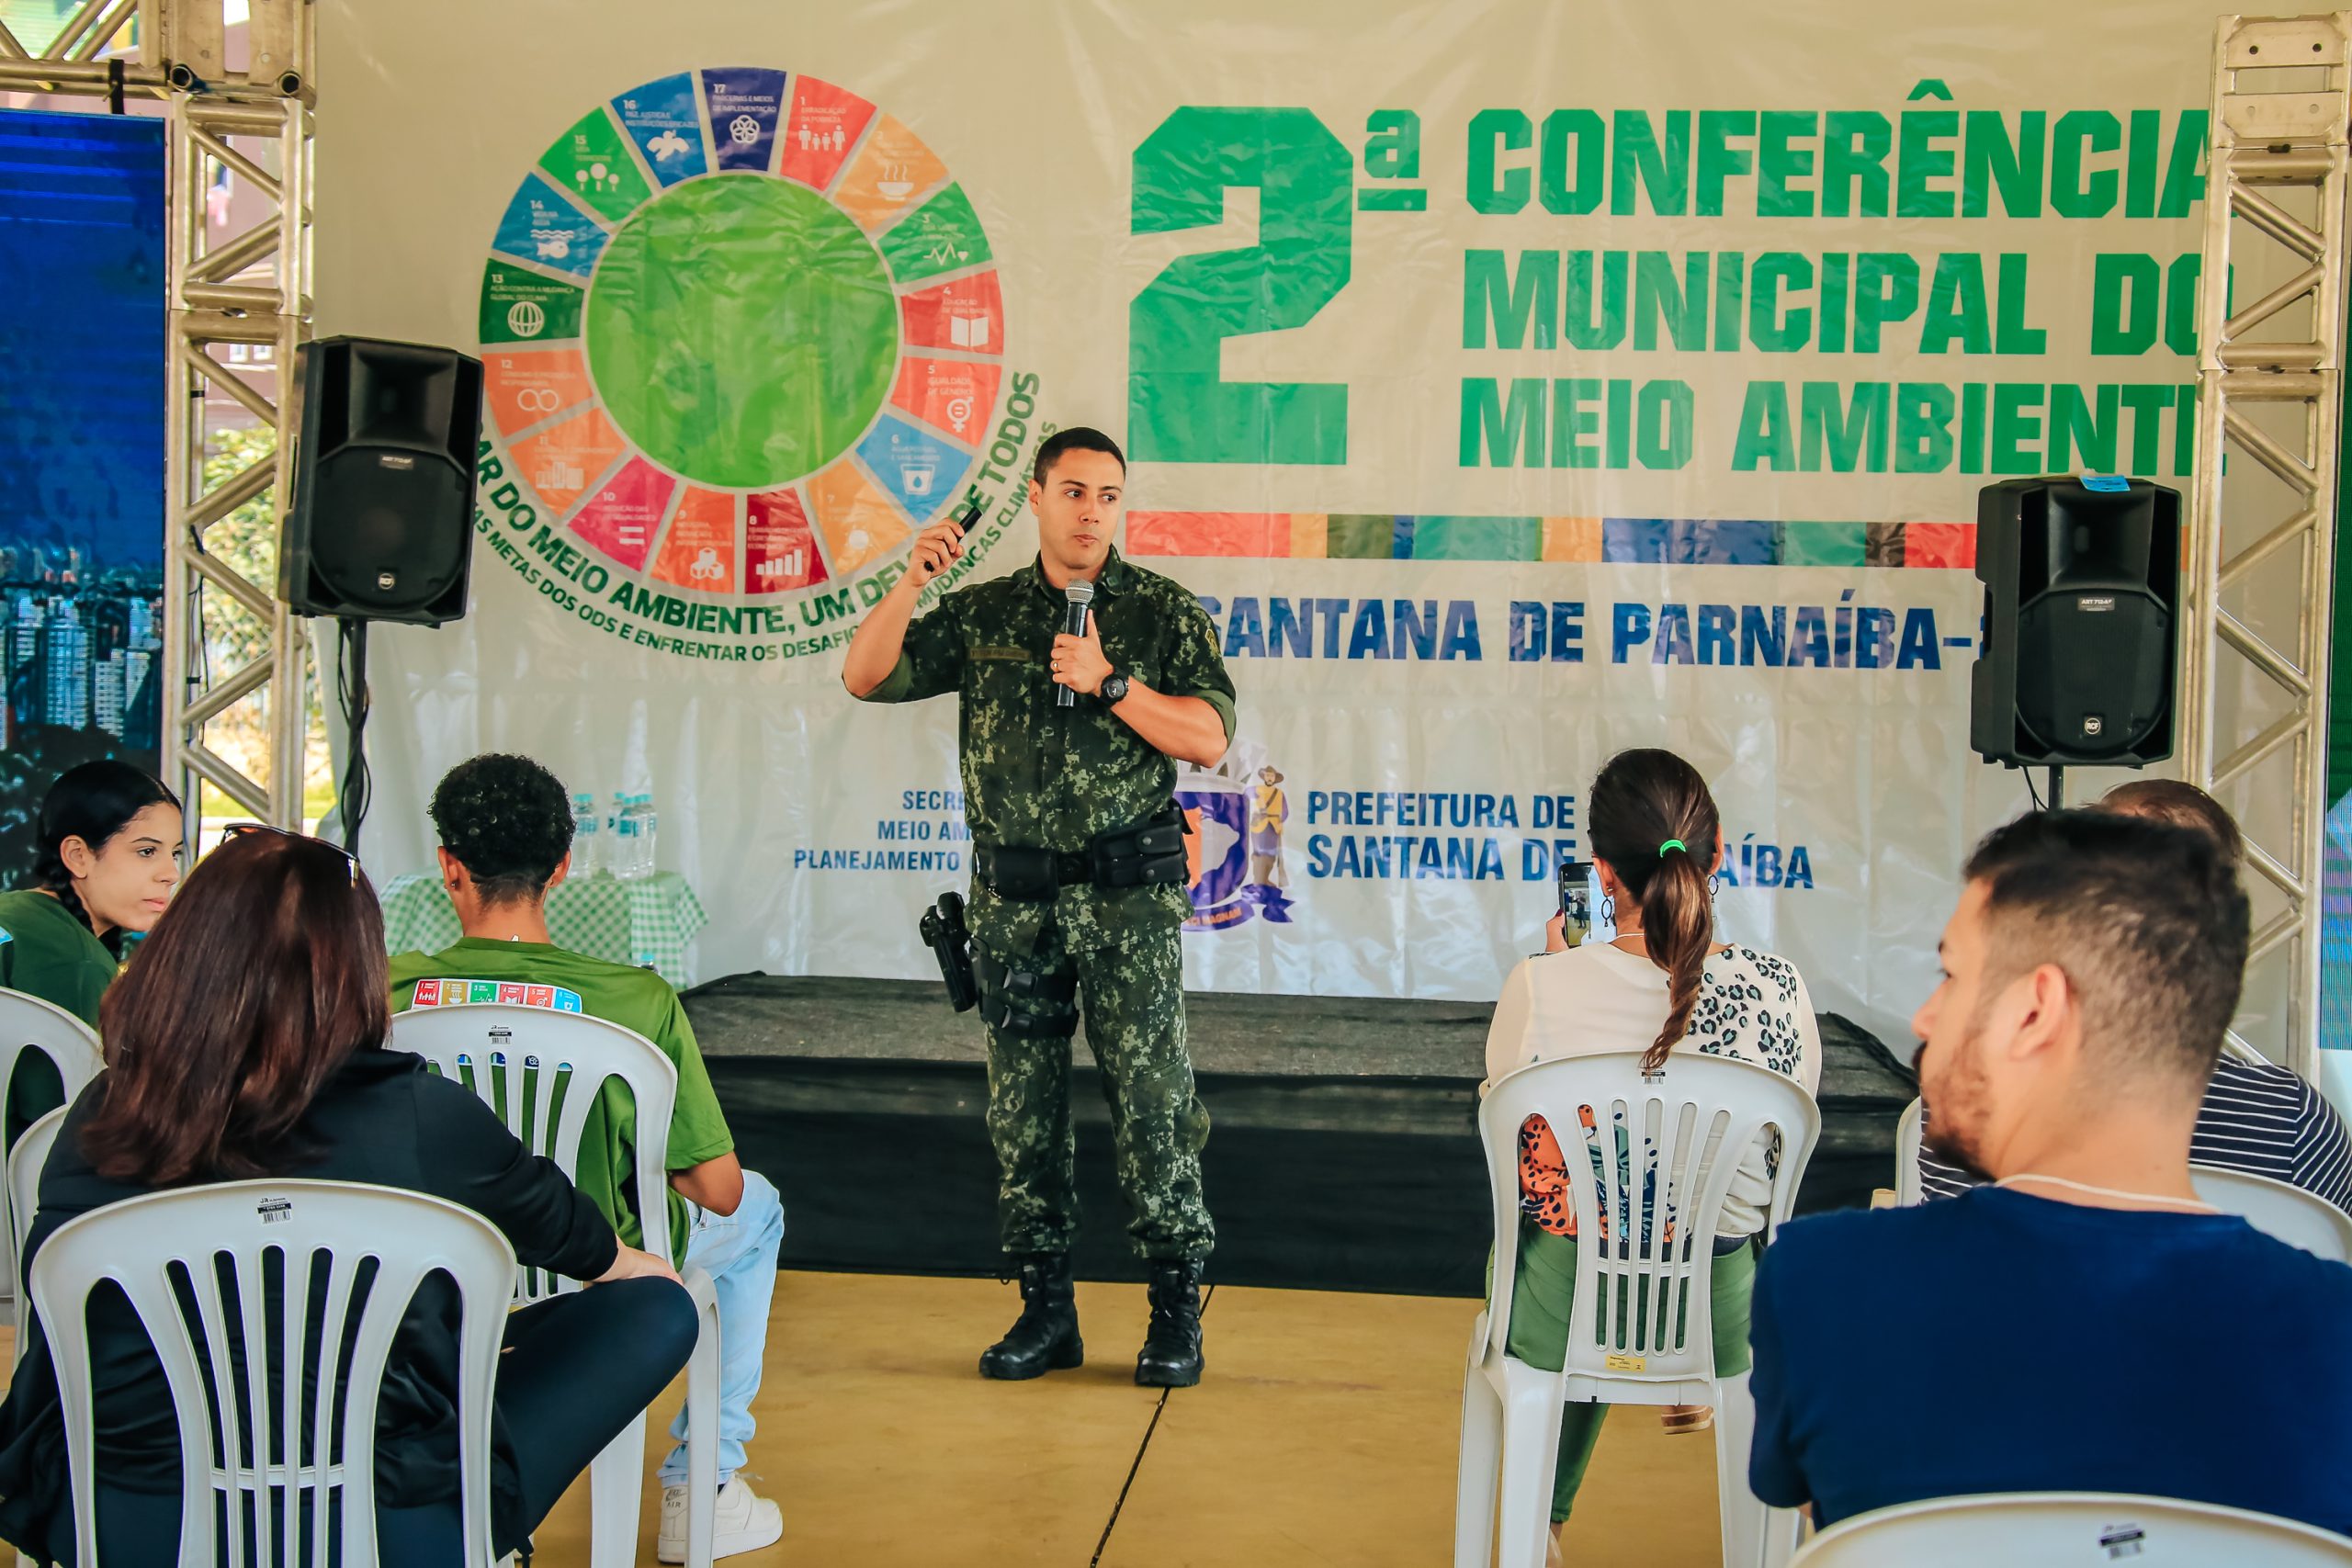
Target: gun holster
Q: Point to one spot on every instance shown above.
(950, 940)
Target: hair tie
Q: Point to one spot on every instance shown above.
(1672, 844)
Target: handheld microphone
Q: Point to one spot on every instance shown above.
(1080, 595)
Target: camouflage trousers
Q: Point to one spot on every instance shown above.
(1133, 1000)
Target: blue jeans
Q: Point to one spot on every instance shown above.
(739, 1252)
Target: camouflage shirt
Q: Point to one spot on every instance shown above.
(1046, 777)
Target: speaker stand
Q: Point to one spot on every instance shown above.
(351, 691)
(2057, 787)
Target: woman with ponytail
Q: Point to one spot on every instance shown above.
(105, 858)
(1665, 984)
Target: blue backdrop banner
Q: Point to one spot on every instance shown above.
(82, 411)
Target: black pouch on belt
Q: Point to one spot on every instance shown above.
(1015, 871)
(1147, 856)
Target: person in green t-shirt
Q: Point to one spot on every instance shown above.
(506, 828)
(106, 855)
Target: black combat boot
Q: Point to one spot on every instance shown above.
(1045, 1337)
(1171, 1351)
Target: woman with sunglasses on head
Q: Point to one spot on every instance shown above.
(250, 1039)
(106, 857)
(1665, 985)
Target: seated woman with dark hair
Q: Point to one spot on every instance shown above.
(1667, 984)
(250, 1040)
(106, 857)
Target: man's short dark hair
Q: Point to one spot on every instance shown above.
(1077, 438)
(2181, 804)
(508, 821)
(2146, 920)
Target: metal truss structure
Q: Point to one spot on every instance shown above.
(2253, 687)
(246, 289)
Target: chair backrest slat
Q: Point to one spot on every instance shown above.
(541, 1071)
(1650, 1161)
(332, 1367)
(24, 1163)
(244, 1378)
(1907, 1154)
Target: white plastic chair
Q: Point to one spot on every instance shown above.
(541, 1070)
(2234, 1047)
(28, 1024)
(2278, 1208)
(2071, 1529)
(165, 1244)
(1906, 1157)
(25, 1162)
(1690, 1123)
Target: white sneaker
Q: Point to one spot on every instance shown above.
(746, 1522)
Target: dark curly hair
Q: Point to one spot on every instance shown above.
(508, 820)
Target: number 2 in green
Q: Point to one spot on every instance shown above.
(1180, 406)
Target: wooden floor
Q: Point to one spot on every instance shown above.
(1324, 1433)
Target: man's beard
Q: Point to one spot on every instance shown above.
(1955, 1115)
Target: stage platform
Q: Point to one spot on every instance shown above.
(844, 1020)
(1344, 1154)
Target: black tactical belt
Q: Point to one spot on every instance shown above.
(1149, 855)
(1012, 871)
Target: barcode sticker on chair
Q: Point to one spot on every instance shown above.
(2123, 1541)
(1621, 1364)
(274, 1211)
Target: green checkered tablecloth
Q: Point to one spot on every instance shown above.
(653, 920)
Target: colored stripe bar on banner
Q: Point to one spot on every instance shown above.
(1668, 541)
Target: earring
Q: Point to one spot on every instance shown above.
(1608, 908)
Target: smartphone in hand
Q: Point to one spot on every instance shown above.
(1576, 899)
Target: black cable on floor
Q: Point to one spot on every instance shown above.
(1141, 1449)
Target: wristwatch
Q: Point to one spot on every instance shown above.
(1115, 688)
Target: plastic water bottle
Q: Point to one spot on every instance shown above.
(624, 861)
(646, 823)
(586, 843)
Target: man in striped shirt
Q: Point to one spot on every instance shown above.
(2258, 1117)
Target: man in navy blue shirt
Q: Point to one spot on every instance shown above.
(2084, 1323)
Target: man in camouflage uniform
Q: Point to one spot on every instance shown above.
(1076, 901)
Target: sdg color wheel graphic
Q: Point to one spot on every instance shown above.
(743, 333)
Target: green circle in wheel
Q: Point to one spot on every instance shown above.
(742, 330)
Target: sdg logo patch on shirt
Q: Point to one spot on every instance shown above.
(515, 993)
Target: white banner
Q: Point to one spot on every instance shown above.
(1514, 382)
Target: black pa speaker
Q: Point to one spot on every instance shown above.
(2082, 602)
(381, 526)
